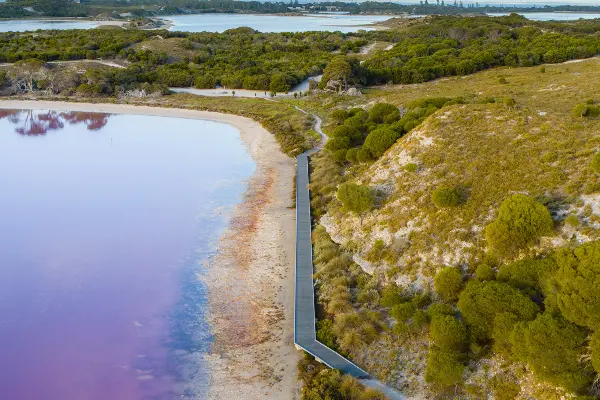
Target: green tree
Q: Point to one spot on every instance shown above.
(356, 198)
(445, 197)
(447, 283)
(504, 323)
(338, 70)
(552, 347)
(378, 141)
(279, 84)
(528, 273)
(444, 367)
(520, 222)
(484, 272)
(379, 111)
(578, 280)
(339, 116)
(480, 302)
(448, 333)
(403, 312)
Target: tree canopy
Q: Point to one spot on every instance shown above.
(521, 221)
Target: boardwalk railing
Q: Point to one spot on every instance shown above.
(305, 335)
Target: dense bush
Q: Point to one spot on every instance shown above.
(448, 282)
(520, 222)
(460, 46)
(320, 383)
(380, 111)
(578, 289)
(445, 197)
(484, 272)
(528, 273)
(586, 110)
(552, 346)
(446, 332)
(480, 302)
(356, 198)
(379, 140)
(444, 367)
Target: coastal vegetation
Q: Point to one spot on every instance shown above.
(484, 225)
(456, 240)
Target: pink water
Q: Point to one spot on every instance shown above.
(101, 218)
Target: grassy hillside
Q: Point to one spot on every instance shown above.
(418, 288)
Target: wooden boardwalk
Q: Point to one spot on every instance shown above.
(305, 335)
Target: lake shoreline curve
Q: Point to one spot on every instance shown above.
(251, 278)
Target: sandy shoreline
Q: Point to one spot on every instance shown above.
(251, 280)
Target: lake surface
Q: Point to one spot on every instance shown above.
(222, 22)
(23, 25)
(106, 222)
(272, 23)
(552, 16)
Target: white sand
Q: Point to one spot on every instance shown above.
(251, 282)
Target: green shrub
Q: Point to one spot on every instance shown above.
(480, 302)
(502, 81)
(444, 368)
(206, 81)
(447, 283)
(552, 347)
(340, 155)
(3, 78)
(595, 347)
(445, 197)
(595, 164)
(509, 102)
(503, 389)
(390, 296)
(337, 143)
(528, 273)
(448, 333)
(351, 155)
(379, 111)
(421, 300)
(577, 278)
(503, 326)
(339, 116)
(325, 333)
(378, 141)
(485, 273)
(439, 309)
(411, 167)
(356, 198)
(543, 69)
(520, 222)
(364, 155)
(572, 220)
(586, 110)
(402, 312)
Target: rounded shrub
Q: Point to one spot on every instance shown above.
(445, 197)
(447, 283)
(378, 141)
(446, 332)
(379, 111)
(339, 116)
(444, 368)
(521, 221)
(356, 198)
(402, 312)
(578, 289)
